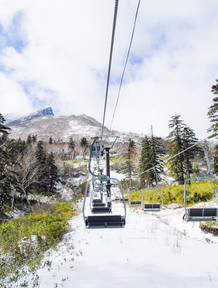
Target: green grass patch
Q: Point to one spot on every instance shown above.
(198, 192)
(24, 240)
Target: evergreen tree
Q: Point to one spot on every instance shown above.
(71, 144)
(189, 140)
(52, 172)
(156, 161)
(212, 113)
(175, 147)
(40, 153)
(5, 162)
(216, 159)
(50, 140)
(34, 138)
(150, 158)
(181, 139)
(145, 163)
(129, 165)
(29, 140)
(3, 129)
(84, 144)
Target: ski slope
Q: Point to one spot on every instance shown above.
(153, 250)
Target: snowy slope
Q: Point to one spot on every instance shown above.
(153, 250)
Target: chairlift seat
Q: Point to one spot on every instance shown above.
(106, 221)
(152, 207)
(99, 204)
(101, 210)
(96, 201)
(201, 214)
(135, 203)
(125, 199)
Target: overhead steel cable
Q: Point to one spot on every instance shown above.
(110, 61)
(127, 56)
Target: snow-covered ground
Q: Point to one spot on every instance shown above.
(153, 250)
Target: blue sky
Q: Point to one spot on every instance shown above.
(55, 53)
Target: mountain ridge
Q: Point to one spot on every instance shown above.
(45, 124)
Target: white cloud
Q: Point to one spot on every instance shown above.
(12, 96)
(65, 57)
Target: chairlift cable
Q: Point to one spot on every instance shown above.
(173, 156)
(110, 61)
(127, 56)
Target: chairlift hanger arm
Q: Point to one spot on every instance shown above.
(101, 138)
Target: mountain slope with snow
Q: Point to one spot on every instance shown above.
(45, 124)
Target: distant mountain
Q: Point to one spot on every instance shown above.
(10, 118)
(44, 124)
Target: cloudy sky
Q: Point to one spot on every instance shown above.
(55, 53)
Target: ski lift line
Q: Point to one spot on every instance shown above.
(110, 61)
(127, 56)
(173, 156)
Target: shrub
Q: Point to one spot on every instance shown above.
(198, 192)
(24, 240)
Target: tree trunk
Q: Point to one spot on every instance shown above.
(27, 200)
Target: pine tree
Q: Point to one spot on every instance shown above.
(150, 158)
(189, 140)
(144, 162)
(3, 129)
(52, 172)
(212, 113)
(34, 138)
(216, 159)
(29, 139)
(129, 165)
(40, 153)
(181, 139)
(175, 147)
(71, 144)
(50, 140)
(84, 144)
(156, 161)
(5, 162)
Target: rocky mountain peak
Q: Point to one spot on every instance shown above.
(12, 118)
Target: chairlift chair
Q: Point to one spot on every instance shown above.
(132, 190)
(203, 213)
(100, 204)
(152, 207)
(108, 220)
(134, 202)
(104, 216)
